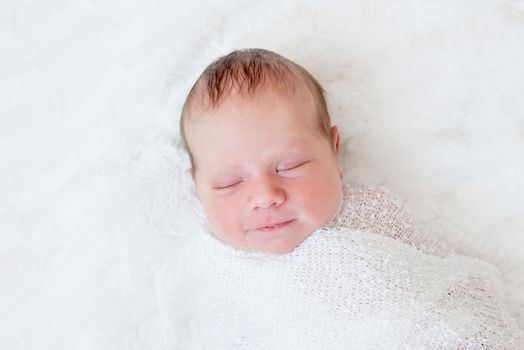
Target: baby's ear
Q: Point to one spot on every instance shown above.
(335, 139)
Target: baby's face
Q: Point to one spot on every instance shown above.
(265, 175)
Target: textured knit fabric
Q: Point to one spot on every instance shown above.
(368, 280)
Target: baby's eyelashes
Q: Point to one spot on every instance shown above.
(227, 185)
(290, 166)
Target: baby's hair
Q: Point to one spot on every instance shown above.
(246, 72)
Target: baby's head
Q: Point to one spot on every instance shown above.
(263, 152)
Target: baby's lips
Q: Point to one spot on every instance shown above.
(273, 224)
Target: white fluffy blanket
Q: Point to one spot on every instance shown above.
(95, 204)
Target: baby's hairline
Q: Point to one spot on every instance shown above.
(246, 74)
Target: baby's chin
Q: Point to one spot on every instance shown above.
(278, 249)
(279, 245)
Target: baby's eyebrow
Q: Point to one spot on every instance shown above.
(224, 173)
(292, 150)
(297, 151)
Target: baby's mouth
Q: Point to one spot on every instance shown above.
(274, 227)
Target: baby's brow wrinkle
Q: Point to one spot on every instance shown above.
(294, 155)
(224, 175)
(296, 151)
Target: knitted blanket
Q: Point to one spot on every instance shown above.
(345, 288)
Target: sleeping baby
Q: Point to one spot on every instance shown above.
(293, 258)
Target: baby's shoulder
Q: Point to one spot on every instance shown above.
(368, 196)
(367, 204)
(376, 209)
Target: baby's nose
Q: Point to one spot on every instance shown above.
(265, 193)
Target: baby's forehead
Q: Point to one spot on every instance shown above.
(272, 111)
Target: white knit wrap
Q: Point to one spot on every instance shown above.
(387, 287)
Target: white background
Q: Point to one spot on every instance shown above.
(94, 199)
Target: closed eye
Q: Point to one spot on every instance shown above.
(290, 167)
(227, 185)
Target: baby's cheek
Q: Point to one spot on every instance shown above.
(305, 197)
(323, 197)
(225, 217)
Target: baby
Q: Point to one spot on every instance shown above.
(263, 151)
(294, 258)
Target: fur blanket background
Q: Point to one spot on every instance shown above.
(96, 209)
